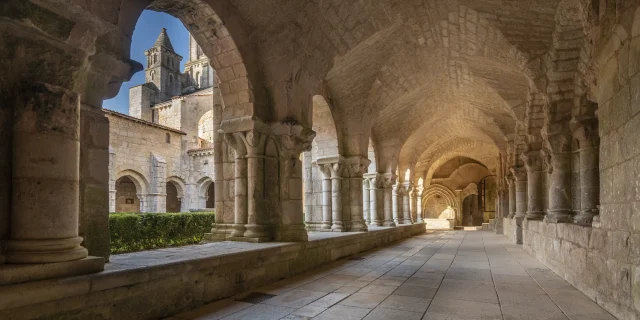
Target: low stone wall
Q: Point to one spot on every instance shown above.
(440, 224)
(513, 229)
(152, 289)
(603, 264)
(507, 227)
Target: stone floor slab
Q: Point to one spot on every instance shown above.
(381, 313)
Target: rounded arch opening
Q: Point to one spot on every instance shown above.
(127, 195)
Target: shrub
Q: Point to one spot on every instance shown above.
(144, 231)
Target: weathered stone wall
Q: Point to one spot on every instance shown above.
(133, 293)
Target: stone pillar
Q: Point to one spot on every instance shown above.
(535, 187)
(419, 192)
(308, 188)
(560, 188)
(374, 184)
(326, 196)
(354, 170)
(291, 139)
(236, 141)
(387, 185)
(520, 175)
(511, 182)
(366, 201)
(396, 205)
(157, 196)
(112, 180)
(336, 197)
(45, 179)
(586, 132)
(221, 228)
(407, 190)
(413, 203)
(257, 228)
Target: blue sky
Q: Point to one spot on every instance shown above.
(145, 34)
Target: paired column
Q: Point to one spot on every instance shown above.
(407, 190)
(366, 201)
(336, 197)
(586, 132)
(387, 185)
(45, 177)
(374, 186)
(520, 175)
(327, 221)
(511, 182)
(535, 187)
(355, 167)
(419, 192)
(396, 204)
(560, 181)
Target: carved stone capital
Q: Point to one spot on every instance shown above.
(292, 138)
(585, 130)
(408, 187)
(533, 160)
(559, 142)
(519, 173)
(356, 166)
(388, 179)
(374, 180)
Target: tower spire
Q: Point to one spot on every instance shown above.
(164, 41)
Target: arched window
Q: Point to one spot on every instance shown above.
(168, 138)
(197, 79)
(155, 58)
(153, 74)
(170, 78)
(205, 76)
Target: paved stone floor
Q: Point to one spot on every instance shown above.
(442, 275)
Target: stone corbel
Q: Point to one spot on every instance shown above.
(533, 161)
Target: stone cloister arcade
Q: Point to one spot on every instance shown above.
(345, 116)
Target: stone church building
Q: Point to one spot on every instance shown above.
(350, 143)
(161, 154)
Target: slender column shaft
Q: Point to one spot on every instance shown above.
(356, 194)
(373, 209)
(395, 209)
(589, 186)
(255, 209)
(366, 201)
(560, 189)
(521, 198)
(512, 199)
(336, 204)
(388, 209)
(326, 203)
(240, 205)
(535, 189)
(420, 219)
(45, 178)
(406, 213)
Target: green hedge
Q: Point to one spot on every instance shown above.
(144, 231)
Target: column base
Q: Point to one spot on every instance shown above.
(375, 223)
(358, 226)
(587, 217)
(238, 230)
(388, 223)
(337, 226)
(20, 273)
(291, 233)
(558, 216)
(219, 232)
(258, 231)
(326, 226)
(535, 215)
(420, 220)
(45, 251)
(407, 221)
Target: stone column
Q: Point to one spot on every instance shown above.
(326, 197)
(413, 204)
(511, 182)
(236, 141)
(586, 132)
(387, 184)
(336, 197)
(257, 228)
(354, 170)
(112, 180)
(407, 189)
(374, 184)
(535, 188)
(419, 192)
(308, 188)
(520, 175)
(560, 183)
(221, 228)
(396, 206)
(45, 179)
(366, 201)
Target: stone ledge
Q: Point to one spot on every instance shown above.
(155, 284)
(20, 273)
